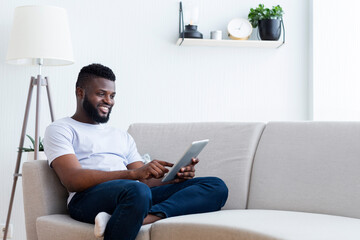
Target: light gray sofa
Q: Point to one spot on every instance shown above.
(286, 180)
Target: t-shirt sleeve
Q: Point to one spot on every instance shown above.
(57, 142)
(133, 154)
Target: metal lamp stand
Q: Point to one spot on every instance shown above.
(39, 81)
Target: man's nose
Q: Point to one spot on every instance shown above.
(108, 100)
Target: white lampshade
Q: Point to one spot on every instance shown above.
(40, 32)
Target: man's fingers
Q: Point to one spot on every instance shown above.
(155, 173)
(194, 161)
(189, 168)
(164, 163)
(157, 170)
(186, 175)
(160, 166)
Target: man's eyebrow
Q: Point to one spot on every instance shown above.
(103, 90)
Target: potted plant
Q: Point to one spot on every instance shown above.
(267, 20)
(30, 150)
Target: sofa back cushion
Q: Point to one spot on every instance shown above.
(228, 155)
(309, 167)
(43, 194)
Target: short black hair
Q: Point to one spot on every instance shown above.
(93, 71)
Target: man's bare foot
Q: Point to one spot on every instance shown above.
(150, 219)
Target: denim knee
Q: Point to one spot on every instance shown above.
(220, 189)
(139, 195)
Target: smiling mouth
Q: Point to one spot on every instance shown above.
(104, 109)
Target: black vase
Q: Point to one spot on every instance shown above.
(270, 29)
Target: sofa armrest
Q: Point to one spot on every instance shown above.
(43, 194)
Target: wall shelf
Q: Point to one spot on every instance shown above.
(229, 43)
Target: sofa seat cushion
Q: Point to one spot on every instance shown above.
(257, 225)
(62, 226)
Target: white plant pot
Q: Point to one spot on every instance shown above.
(31, 157)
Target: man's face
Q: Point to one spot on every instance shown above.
(99, 99)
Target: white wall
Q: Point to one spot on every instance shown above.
(157, 80)
(336, 61)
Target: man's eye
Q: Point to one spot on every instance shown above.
(101, 94)
(112, 96)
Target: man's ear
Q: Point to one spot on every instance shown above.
(80, 92)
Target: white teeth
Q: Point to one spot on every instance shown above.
(104, 109)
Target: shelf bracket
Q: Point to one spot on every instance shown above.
(283, 27)
(181, 24)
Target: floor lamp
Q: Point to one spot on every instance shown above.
(40, 36)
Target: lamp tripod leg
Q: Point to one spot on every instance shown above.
(37, 116)
(49, 99)
(18, 161)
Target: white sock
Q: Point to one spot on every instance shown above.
(100, 223)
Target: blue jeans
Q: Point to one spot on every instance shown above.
(129, 202)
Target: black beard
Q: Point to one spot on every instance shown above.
(93, 113)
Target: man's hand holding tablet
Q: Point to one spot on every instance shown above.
(184, 168)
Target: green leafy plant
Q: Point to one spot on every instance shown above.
(261, 13)
(32, 148)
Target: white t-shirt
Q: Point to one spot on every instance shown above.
(96, 146)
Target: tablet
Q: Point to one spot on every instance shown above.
(192, 152)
